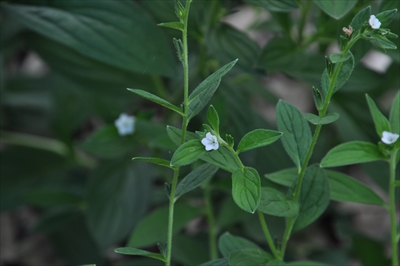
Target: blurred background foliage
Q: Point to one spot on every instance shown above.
(65, 67)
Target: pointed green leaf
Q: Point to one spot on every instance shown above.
(360, 18)
(383, 42)
(314, 196)
(222, 158)
(175, 134)
(334, 8)
(157, 161)
(346, 188)
(352, 153)
(246, 188)
(213, 118)
(274, 202)
(343, 187)
(296, 137)
(327, 119)
(284, 177)
(395, 115)
(156, 99)
(199, 98)
(188, 153)
(325, 82)
(258, 138)
(345, 72)
(336, 58)
(253, 257)
(228, 243)
(113, 32)
(139, 252)
(278, 6)
(195, 178)
(172, 25)
(380, 121)
(386, 17)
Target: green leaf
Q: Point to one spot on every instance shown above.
(157, 161)
(386, 17)
(380, 121)
(336, 58)
(284, 177)
(156, 99)
(172, 25)
(346, 188)
(336, 9)
(225, 42)
(345, 72)
(258, 138)
(273, 5)
(253, 257)
(246, 188)
(213, 118)
(222, 158)
(113, 41)
(382, 42)
(280, 54)
(343, 187)
(228, 243)
(274, 202)
(175, 134)
(296, 137)
(199, 98)
(153, 228)
(360, 18)
(117, 197)
(218, 262)
(195, 178)
(395, 114)
(139, 252)
(314, 196)
(352, 153)
(327, 119)
(188, 153)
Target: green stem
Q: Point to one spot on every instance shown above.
(291, 221)
(171, 215)
(184, 128)
(393, 222)
(268, 236)
(211, 225)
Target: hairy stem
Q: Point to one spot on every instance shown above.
(184, 129)
(268, 236)
(291, 221)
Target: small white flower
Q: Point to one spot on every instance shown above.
(210, 142)
(389, 138)
(374, 22)
(125, 124)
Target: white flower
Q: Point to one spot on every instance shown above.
(374, 22)
(389, 138)
(125, 124)
(210, 142)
